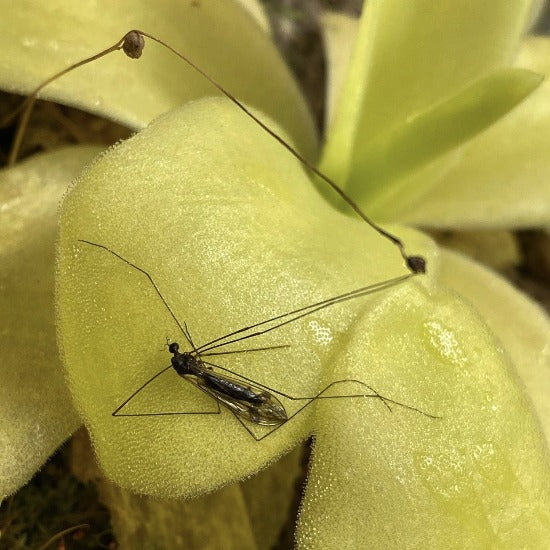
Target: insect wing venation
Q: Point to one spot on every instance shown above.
(270, 412)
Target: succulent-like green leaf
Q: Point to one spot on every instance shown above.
(339, 34)
(36, 412)
(376, 178)
(409, 57)
(522, 326)
(231, 230)
(477, 478)
(501, 178)
(231, 241)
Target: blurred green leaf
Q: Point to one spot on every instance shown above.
(37, 413)
(376, 176)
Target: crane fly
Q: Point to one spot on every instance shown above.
(249, 400)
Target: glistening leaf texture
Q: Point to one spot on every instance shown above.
(233, 232)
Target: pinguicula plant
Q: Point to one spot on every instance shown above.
(438, 118)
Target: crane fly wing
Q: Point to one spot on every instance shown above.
(267, 411)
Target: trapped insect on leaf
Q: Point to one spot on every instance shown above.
(253, 231)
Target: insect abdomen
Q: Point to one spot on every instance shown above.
(232, 389)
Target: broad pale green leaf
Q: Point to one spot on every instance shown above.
(40, 39)
(232, 231)
(479, 477)
(36, 412)
(376, 178)
(521, 325)
(501, 178)
(411, 55)
(230, 242)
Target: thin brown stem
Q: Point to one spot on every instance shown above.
(26, 106)
(133, 43)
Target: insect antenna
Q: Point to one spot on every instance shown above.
(187, 335)
(132, 44)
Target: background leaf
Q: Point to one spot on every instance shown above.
(376, 178)
(37, 414)
(405, 60)
(501, 178)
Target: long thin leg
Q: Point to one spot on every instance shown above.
(320, 396)
(150, 279)
(282, 346)
(411, 262)
(299, 313)
(294, 398)
(218, 411)
(117, 413)
(242, 423)
(127, 400)
(132, 44)
(385, 400)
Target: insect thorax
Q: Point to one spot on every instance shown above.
(185, 363)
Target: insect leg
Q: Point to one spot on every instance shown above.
(292, 316)
(320, 396)
(150, 279)
(374, 393)
(117, 412)
(384, 399)
(241, 421)
(415, 264)
(259, 438)
(169, 413)
(295, 398)
(282, 346)
(314, 397)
